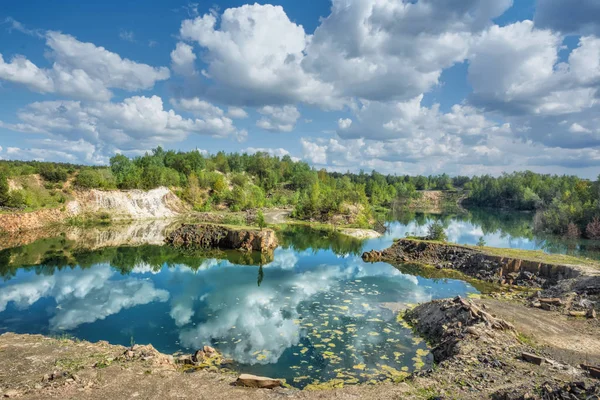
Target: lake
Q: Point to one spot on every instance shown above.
(312, 313)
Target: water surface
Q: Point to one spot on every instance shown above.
(310, 313)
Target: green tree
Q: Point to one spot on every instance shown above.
(437, 232)
(260, 220)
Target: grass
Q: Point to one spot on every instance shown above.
(525, 339)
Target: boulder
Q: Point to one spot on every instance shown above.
(532, 358)
(260, 382)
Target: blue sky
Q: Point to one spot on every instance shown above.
(420, 86)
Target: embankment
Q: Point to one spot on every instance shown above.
(502, 266)
(115, 204)
(206, 236)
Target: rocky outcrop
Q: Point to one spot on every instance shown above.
(206, 236)
(446, 323)
(131, 204)
(476, 263)
(88, 204)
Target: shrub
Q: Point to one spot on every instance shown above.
(90, 178)
(593, 229)
(437, 232)
(573, 231)
(260, 220)
(53, 173)
(481, 242)
(4, 195)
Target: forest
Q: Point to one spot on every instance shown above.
(564, 205)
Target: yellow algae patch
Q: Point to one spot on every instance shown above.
(405, 369)
(417, 340)
(297, 321)
(319, 346)
(332, 384)
(360, 367)
(374, 320)
(336, 319)
(365, 305)
(422, 352)
(373, 334)
(325, 324)
(304, 350)
(384, 357)
(338, 332)
(343, 308)
(397, 354)
(309, 325)
(387, 330)
(331, 344)
(394, 374)
(347, 301)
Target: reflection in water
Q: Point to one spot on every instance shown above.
(310, 311)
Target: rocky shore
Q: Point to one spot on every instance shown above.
(207, 236)
(503, 269)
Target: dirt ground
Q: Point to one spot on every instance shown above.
(570, 340)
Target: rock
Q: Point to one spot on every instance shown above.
(532, 358)
(185, 360)
(209, 350)
(11, 393)
(129, 354)
(260, 382)
(591, 313)
(577, 313)
(198, 356)
(594, 371)
(553, 301)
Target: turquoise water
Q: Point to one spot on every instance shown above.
(313, 313)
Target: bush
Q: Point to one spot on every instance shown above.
(4, 195)
(91, 178)
(53, 173)
(593, 229)
(573, 231)
(437, 232)
(260, 220)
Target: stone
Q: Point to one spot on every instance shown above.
(198, 356)
(577, 313)
(185, 360)
(591, 313)
(11, 393)
(532, 358)
(260, 382)
(209, 350)
(553, 301)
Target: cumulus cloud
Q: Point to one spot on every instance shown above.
(237, 112)
(278, 119)
(135, 123)
(183, 59)
(367, 49)
(81, 70)
(516, 69)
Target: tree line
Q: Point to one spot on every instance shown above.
(566, 205)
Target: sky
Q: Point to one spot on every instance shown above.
(465, 87)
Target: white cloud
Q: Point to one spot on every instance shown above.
(344, 123)
(516, 69)
(135, 123)
(183, 59)
(81, 70)
(255, 55)
(237, 112)
(278, 119)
